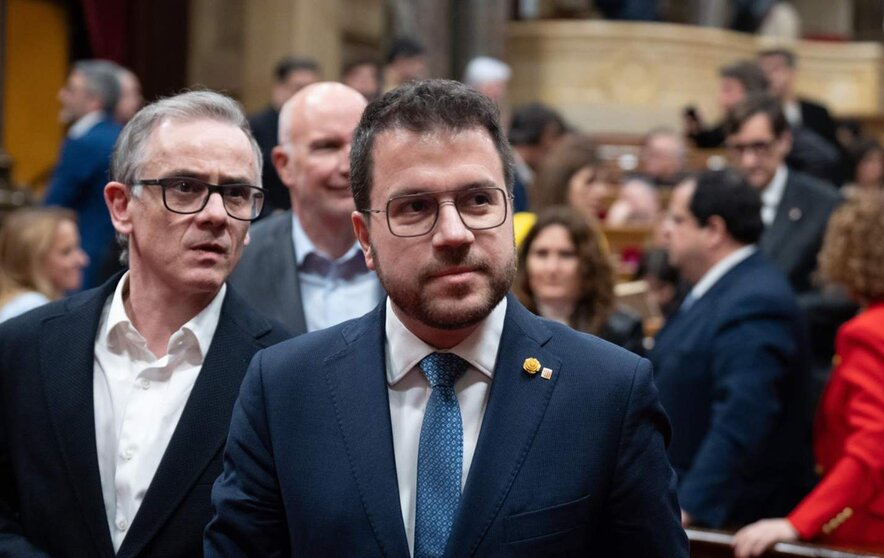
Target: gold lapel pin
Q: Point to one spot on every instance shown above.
(546, 374)
(531, 365)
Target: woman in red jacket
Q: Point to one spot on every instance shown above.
(847, 506)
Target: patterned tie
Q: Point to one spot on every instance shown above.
(439, 456)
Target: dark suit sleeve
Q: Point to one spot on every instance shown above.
(643, 516)
(70, 175)
(12, 539)
(750, 365)
(249, 518)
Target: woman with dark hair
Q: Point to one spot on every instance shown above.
(565, 275)
(868, 166)
(847, 506)
(572, 175)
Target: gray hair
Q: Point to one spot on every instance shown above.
(101, 81)
(130, 149)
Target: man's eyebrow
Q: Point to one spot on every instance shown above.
(416, 190)
(185, 173)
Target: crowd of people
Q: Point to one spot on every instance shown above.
(400, 396)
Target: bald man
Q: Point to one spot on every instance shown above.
(305, 268)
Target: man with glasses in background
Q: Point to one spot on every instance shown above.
(449, 420)
(795, 206)
(114, 404)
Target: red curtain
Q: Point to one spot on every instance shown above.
(107, 26)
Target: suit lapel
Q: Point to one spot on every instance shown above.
(67, 354)
(359, 392)
(516, 406)
(790, 211)
(287, 273)
(204, 423)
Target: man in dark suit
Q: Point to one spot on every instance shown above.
(88, 100)
(729, 363)
(115, 403)
(304, 267)
(780, 66)
(449, 420)
(290, 75)
(795, 206)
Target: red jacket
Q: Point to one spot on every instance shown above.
(847, 506)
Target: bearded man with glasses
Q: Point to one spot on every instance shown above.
(114, 404)
(449, 420)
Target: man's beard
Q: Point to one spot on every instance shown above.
(414, 301)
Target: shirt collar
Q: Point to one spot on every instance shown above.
(202, 326)
(304, 246)
(773, 194)
(85, 123)
(404, 350)
(718, 270)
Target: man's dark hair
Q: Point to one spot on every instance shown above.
(758, 103)
(529, 122)
(726, 193)
(787, 55)
(748, 73)
(405, 47)
(285, 67)
(422, 107)
(101, 80)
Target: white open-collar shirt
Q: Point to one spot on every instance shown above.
(139, 399)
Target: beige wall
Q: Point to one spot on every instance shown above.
(629, 77)
(234, 47)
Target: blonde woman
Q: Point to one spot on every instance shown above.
(40, 259)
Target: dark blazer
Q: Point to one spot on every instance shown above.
(795, 237)
(50, 490)
(267, 275)
(816, 117)
(566, 466)
(265, 128)
(78, 183)
(731, 371)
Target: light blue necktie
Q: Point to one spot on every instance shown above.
(439, 456)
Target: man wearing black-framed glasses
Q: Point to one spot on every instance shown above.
(116, 402)
(449, 421)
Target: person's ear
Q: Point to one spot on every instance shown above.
(281, 155)
(362, 228)
(118, 198)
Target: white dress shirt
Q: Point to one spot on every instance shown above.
(773, 195)
(139, 399)
(85, 123)
(409, 393)
(332, 291)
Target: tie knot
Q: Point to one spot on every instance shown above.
(443, 369)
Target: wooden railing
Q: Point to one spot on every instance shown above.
(708, 543)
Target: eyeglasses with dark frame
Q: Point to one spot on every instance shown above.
(755, 147)
(411, 215)
(186, 195)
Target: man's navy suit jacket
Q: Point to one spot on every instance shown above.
(50, 490)
(733, 376)
(572, 465)
(78, 183)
